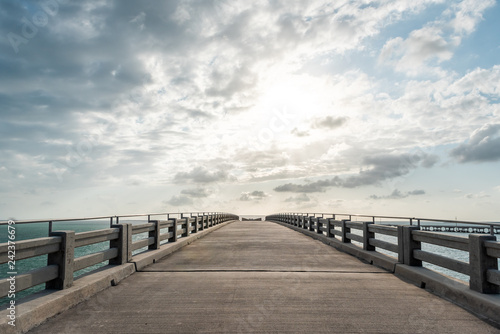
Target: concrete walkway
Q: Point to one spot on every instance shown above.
(265, 278)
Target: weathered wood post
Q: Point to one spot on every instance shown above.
(480, 262)
(64, 258)
(367, 235)
(406, 246)
(123, 243)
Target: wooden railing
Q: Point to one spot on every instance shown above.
(483, 250)
(60, 246)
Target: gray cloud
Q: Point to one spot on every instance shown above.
(196, 192)
(378, 168)
(299, 133)
(298, 199)
(482, 146)
(255, 195)
(396, 194)
(329, 122)
(317, 186)
(201, 175)
(180, 200)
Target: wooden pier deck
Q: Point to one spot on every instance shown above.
(262, 277)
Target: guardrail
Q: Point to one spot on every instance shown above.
(483, 250)
(60, 246)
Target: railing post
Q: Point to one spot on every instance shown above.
(401, 246)
(173, 229)
(345, 230)
(328, 228)
(64, 258)
(187, 224)
(195, 224)
(311, 226)
(406, 246)
(318, 226)
(479, 263)
(202, 227)
(155, 234)
(123, 243)
(367, 235)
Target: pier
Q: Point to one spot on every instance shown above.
(288, 274)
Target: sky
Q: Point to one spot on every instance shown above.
(250, 107)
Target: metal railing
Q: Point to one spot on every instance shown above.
(483, 250)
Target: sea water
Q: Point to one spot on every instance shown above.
(41, 230)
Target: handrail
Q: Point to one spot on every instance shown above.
(48, 220)
(418, 219)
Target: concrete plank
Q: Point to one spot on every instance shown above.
(270, 302)
(264, 246)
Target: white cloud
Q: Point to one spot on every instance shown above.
(411, 55)
(180, 98)
(425, 48)
(467, 15)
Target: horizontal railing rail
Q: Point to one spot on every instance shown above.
(120, 241)
(114, 218)
(483, 250)
(411, 220)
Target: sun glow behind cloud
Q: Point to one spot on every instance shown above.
(251, 107)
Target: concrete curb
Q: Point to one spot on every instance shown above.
(485, 307)
(36, 309)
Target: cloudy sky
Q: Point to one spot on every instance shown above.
(250, 107)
